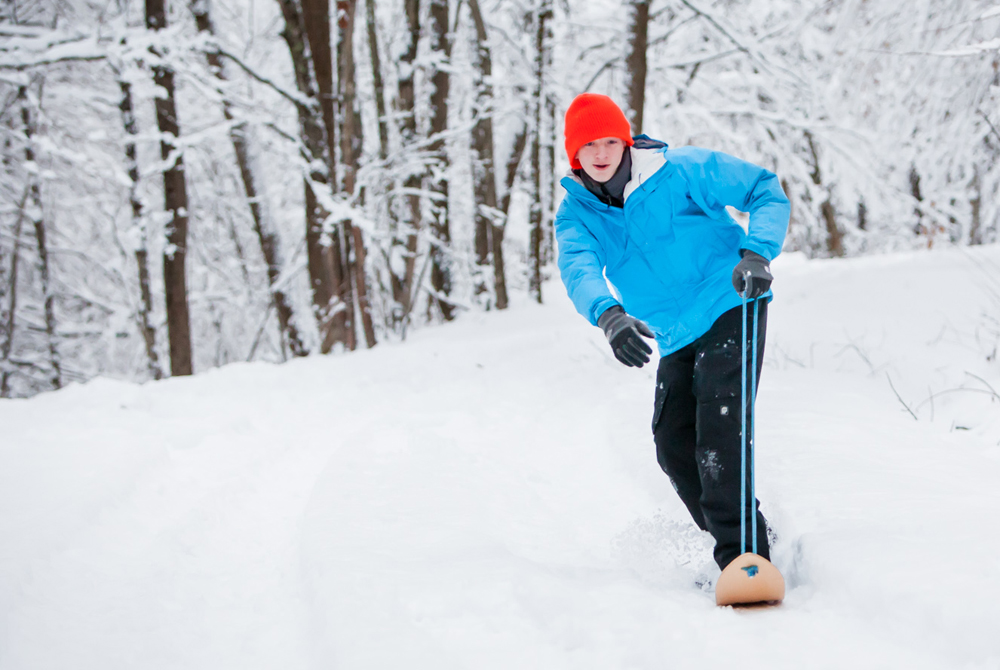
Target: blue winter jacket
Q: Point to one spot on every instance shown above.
(669, 254)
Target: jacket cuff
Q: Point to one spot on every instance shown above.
(757, 248)
(600, 307)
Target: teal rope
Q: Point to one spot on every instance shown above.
(753, 430)
(743, 429)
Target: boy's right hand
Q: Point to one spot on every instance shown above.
(759, 270)
(625, 335)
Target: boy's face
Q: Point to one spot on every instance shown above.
(601, 158)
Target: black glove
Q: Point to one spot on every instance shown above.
(760, 274)
(623, 332)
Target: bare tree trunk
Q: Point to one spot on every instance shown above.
(263, 226)
(364, 303)
(550, 150)
(406, 104)
(921, 227)
(175, 202)
(635, 62)
(8, 343)
(38, 222)
(353, 142)
(542, 14)
(45, 273)
(145, 311)
(835, 238)
(383, 152)
(350, 150)
(376, 61)
(316, 17)
(975, 203)
(314, 138)
(491, 215)
(497, 230)
(483, 171)
(320, 272)
(316, 21)
(915, 192)
(929, 228)
(438, 177)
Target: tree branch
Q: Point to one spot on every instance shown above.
(899, 398)
(20, 67)
(990, 123)
(701, 61)
(985, 383)
(294, 98)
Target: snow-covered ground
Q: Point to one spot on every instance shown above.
(486, 496)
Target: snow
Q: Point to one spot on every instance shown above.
(486, 495)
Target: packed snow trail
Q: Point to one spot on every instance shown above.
(486, 495)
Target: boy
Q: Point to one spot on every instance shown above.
(654, 223)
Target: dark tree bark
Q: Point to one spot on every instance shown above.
(313, 134)
(376, 61)
(349, 128)
(383, 151)
(34, 212)
(550, 168)
(919, 228)
(915, 184)
(351, 146)
(316, 18)
(543, 13)
(50, 322)
(437, 178)
(350, 113)
(483, 172)
(403, 288)
(975, 205)
(263, 226)
(835, 239)
(145, 311)
(635, 62)
(491, 215)
(11, 321)
(175, 202)
(929, 228)
(383, 148)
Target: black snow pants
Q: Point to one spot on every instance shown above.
(696, 428)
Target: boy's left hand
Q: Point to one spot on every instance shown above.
(760, 275)
(623, 333)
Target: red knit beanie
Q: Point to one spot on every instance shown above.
(590, 117)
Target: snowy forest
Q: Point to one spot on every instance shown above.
(188, 184)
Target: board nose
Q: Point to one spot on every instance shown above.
(749, 579)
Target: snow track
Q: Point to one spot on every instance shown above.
(487, 496)
(194, 564)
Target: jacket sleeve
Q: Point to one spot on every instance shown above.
(716, 179)
(581, 266)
